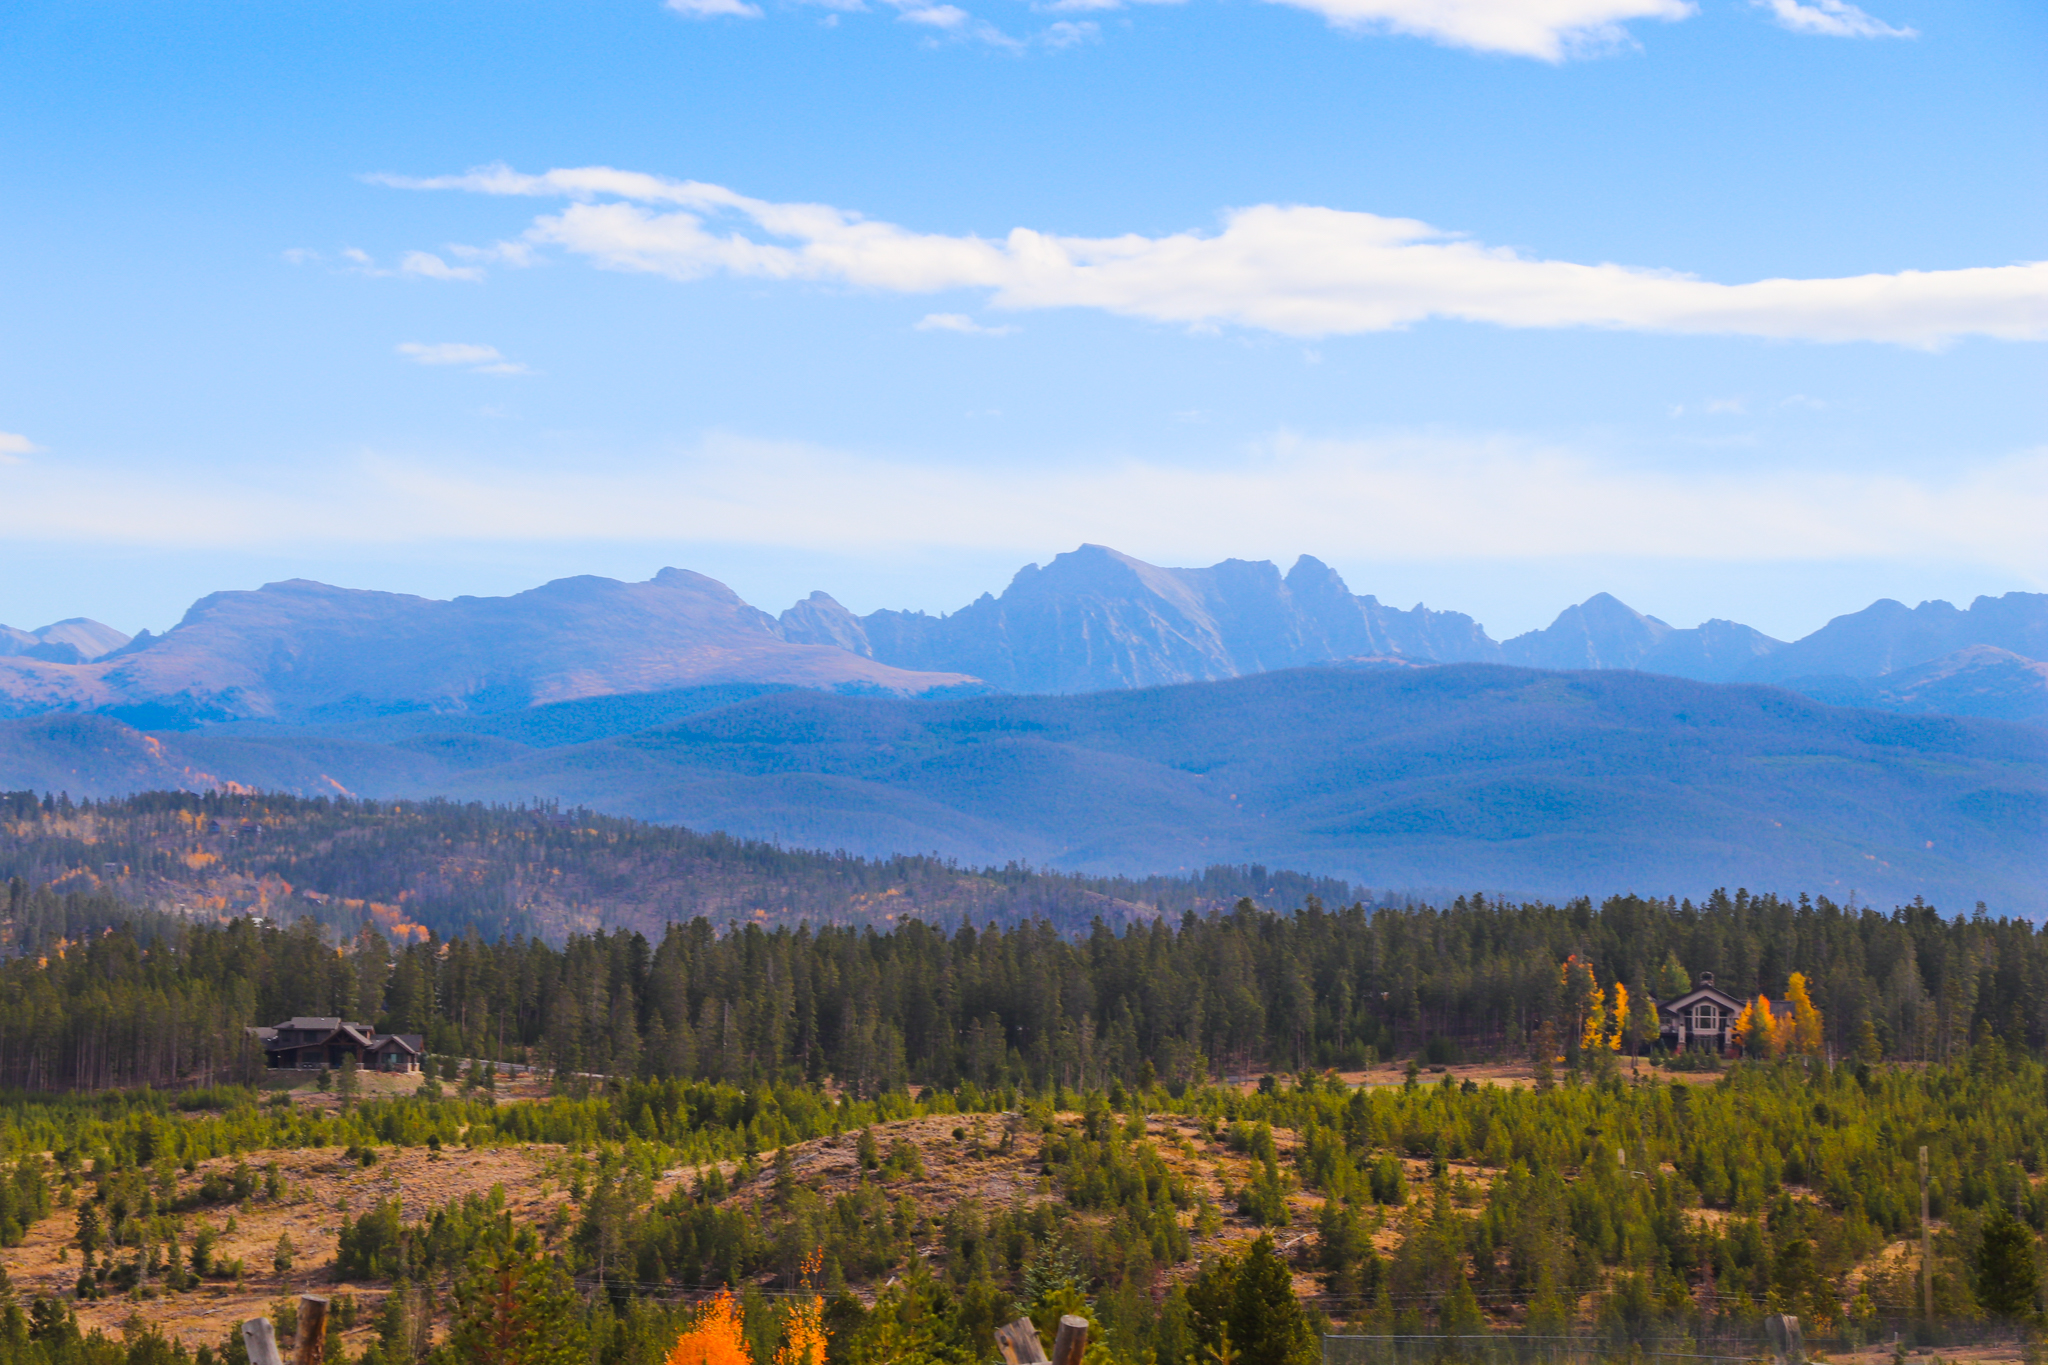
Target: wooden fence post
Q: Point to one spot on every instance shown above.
(1926, 1242)
(260, 1339)
(1018, 1343)
(1071, 1341)
(312, 1329)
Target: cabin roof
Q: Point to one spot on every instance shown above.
(1693, 997)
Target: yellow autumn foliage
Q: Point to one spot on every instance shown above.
(716, 1338)
(1756, 1029)
(1808, 1039)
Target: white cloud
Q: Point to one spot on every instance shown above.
(13, 445)
(429, 266)
(937, 16)
(1549, 30)
(477, 359)
(959, 322)
(958, 25)
(1414, 498)
(713, 9)
(1296, 270)
(1832, 19)
(516, 254)
(1067, 34)
(418, 264)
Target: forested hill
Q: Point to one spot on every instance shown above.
(418, 866)
(1176, 997)
(1463, 777)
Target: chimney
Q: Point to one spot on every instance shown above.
(1706, 980)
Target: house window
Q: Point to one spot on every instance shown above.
(1705, 1018)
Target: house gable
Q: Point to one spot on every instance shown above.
(1705, 1014)
(1684, 1003)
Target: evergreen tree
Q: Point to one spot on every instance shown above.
(1251, 1299)
(2008, 1276)
(517, 1309)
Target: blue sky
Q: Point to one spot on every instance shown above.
(1460, 296)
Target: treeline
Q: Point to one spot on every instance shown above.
(518, 870)
(1025, 1006)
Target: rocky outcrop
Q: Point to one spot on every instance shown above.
(1095, 619)
(820, 620)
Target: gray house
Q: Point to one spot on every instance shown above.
(1704, 1017)
(1701, 1018)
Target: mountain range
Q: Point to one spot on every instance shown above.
(1090, 620)
(303, 652)
(1104, 715)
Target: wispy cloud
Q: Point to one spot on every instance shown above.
(943, 22)
(1067, 33)
(935, 16)
(516, 254)
(715, 9)
(950, 23)
(1832, 19)
(429, 266)
(961, 323)
(1296, 270)
(423, 265)
(13, 446)
(477, 359)
(1548, 30)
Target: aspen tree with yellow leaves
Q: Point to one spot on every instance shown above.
(1808, 1035)
(803, 1333)
(718, 1336)
(1584, 1004)
(1756, 1029)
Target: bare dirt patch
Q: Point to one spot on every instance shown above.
(318, 1182)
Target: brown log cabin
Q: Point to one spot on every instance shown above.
(318, 1043)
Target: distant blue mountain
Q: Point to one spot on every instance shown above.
(1090, 620)
(1478, 776)
(1095, 619)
